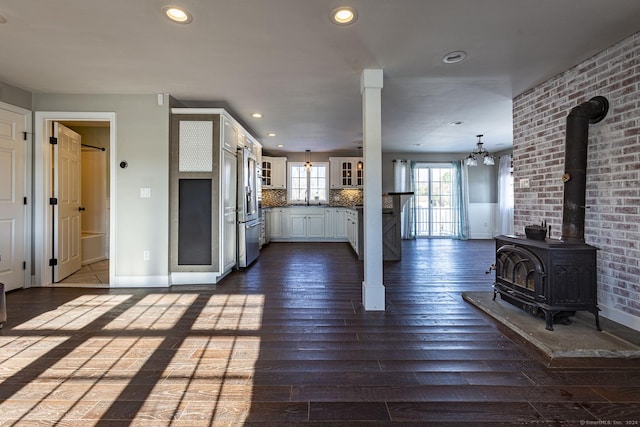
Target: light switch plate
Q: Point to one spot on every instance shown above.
(145, 192)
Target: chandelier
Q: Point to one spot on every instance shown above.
(480, 151)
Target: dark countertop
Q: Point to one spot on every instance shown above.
(404, 193)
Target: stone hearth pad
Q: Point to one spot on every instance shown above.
(576, 344)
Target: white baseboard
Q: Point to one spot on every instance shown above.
(481, 236)
(140, 282)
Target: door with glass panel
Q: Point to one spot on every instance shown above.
(434, 200)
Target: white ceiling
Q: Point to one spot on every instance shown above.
(285, 59)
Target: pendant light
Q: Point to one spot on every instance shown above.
(307, 159)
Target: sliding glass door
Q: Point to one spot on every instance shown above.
(434, 200)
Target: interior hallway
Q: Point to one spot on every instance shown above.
(286, 343)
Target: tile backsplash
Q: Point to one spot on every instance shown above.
(344, 197)
(272, 198)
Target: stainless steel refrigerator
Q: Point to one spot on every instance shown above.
(248, 209)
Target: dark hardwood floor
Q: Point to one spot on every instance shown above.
(286, 342)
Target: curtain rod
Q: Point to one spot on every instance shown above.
(93, 146)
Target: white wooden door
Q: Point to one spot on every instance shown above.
(66, 211)
(12, 206)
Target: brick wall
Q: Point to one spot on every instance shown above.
(612, 221)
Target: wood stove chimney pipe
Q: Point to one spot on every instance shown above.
(575, 165)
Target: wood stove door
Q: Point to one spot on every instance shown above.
(520, 272)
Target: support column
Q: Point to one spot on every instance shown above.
(373, 292)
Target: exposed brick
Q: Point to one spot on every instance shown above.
(613, 164)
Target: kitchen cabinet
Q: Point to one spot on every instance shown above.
(263, 232)
(340, 230)
(229, 194)
(202, 194)
(274, 172)
(306, 223)
(346, 172)
(274, 219)
(230, 135)
(353, 234)
(335, 223)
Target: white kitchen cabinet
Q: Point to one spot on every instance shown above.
(340, 224)
(346, 172)
(315, 226)
(306, 223)
(229, 194)
(274, 219)
(352, 229)
(335, 223)
(274, 172)
(329, 222)
(229, 135)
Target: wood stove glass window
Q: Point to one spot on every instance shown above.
(518, 267)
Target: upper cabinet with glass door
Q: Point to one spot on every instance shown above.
(346, 172)
(274, 172)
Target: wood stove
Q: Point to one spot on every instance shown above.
(550, 278)
(556, 278)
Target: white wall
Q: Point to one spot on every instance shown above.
(142, 140)
(482, 220)
(15, 96)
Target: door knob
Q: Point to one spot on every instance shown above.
(81, 209)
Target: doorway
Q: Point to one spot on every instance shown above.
(434, 200)
(93, 268)
(96, 238)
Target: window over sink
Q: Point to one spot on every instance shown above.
(308, 185)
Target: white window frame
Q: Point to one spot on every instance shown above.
(430, 221)
(311, 200)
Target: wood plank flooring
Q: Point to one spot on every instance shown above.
(286, 342)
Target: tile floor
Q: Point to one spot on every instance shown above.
(95, 275)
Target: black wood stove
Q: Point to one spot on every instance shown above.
(551, 277)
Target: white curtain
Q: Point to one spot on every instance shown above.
(461, 200)
(505, 195)
(403, 182)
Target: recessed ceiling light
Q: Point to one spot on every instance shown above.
(344, 15)
(271, 134)
(279, 145)
(256, 115)
(454, 57)
(177, 14)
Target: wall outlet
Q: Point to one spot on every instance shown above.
(146, 255)
(524, 182)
